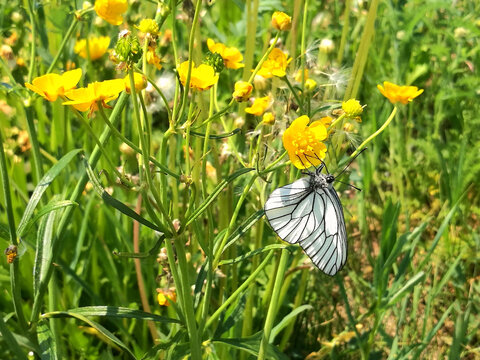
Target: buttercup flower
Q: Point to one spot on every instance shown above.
(352, 108)
(97, 47)
(202, 77)
(304, 143)
(149, 26)
(164, 297)
(395, 93)
(281, 21)
(153, 58)
(275, 65)
(84, 99)
(231, 56)
(111, 10)
(51, 86)
(259, 106)
(242, 91)
(140, 82)
(268, 118)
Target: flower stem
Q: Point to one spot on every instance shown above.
(376, 133)
(264, 57)
(64, 42)
(272, 309)
(302, 44)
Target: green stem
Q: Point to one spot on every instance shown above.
(33, 49)
(303, 43)
(65, 40)
(376, 133)
(133, 146)
(187, 300)
(336, 121)
(146, 155)
(14, 270)
(240, 289)
(294, 92)
(233, 220)
(264, 57)
(32, 133)
(272, 309)
(345, 29)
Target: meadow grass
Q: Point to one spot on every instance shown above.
(137, 229)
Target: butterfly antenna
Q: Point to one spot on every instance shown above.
(308, 171)
(346, 167)
(344, 183)
(323, 165)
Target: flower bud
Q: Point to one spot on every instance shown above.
(352, 108)
(326, 46)
(149, 26)
(281, 21)
(128, 49)
(242, 91)
(268, 118)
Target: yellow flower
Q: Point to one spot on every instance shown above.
(84, 99)
(242, 91)
(281, 21)
(352, 108)
(164, 297)
(232, 58)
(149, 26)
(298, 75)
(259, 106)
(268, 118)
(275, 65)
(395, 93)
(202, 77)
(97, 47)
(326, 121)
(153, 58)
(51, 86)
(310, 85)
(140, 82)
(111, 10)
(303, 142)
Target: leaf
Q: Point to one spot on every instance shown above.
(96, 326)
(251, 345)
(287, 319)
(44, 253)
(109, 200)
(218, 189)
(143, 255)
(113, 312)
(218, 136)
(46, 342)
(410, 284)
(42, 186)
(242, 229)
(52, 206)
(10, 340)
(253, 253)
(4, 232)
(152, 354)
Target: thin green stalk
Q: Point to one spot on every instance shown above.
(233, 220)
(345, 30)
(32, 134)
(14, 270)
(190, 57)
(195, 344)
(294, 92)
(264, 57)
(133, 146)
(303, 43)
(146, 155)
(376, 133)
(64, 42)
(187, 127)
(33, 49)
(336, 121)
(272, 309)
(240, 289)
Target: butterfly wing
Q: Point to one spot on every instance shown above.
(313, 218)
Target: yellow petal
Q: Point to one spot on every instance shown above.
(71, 78)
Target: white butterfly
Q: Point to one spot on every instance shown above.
(308, 212)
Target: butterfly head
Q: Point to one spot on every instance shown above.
(323, 181)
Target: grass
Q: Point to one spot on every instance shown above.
(99, 230)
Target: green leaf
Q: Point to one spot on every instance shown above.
(48, 347)
(218, 136)
(143, 255)
(218, 189)
(96, 326)
(287, 320)
(42, 186)
(242, 229)
(253, 253)
(52, 206)
(114, 312)
(410, 284)
(109, 200)
(251, 345)
(44, 253)
(152, 354)
(4, 232)
(9, 338)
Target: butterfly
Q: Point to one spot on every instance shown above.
(308, 212)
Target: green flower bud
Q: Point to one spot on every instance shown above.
(128, 48)
(215, 60)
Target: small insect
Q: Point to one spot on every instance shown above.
(308, 212)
